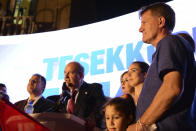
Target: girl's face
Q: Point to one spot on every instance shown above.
(124, 84)
(135, 76)
(115, 120)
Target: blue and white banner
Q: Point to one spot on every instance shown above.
(105, 49)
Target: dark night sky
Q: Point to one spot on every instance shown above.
(89, 11)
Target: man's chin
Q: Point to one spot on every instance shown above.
(145, 41)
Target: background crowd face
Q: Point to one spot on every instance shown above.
(149, 27)
(3, 90)
(73, 78)
(35, 86)
(115, 120)
(124, 84)
(135, 76)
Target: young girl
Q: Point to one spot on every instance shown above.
(119, 113)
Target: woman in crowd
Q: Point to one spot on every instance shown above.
(126, 89)
(136, 75)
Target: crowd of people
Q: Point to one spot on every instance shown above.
(156, 97)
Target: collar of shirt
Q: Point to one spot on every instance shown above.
(76, 96)
(34, 99)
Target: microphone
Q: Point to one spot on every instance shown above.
(68, 83)
(60, 103)
(65, 93)
(65, 89)
(64, 86)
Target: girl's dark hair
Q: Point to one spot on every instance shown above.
(124, 105)
(123, 74)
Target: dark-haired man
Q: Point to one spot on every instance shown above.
(166, 97)
(36, 103)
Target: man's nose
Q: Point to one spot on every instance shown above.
(141, 29)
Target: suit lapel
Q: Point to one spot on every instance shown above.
(81, 99)
(38, 104)
(23, 104)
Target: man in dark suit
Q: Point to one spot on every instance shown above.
(89, 98)
(36, 103)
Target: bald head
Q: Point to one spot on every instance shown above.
(78, 67)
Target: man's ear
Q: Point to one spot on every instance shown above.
(43, 88)
(82, 76)
(161, 21)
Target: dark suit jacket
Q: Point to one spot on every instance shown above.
(89, 102)
(42, 105)
(54, 98)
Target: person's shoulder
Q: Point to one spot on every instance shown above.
(19, 102)
(171, 38)
(175, 38)
(95, 85)
(170, 41)
(48, 101)
(53, 98)
(91, 85)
